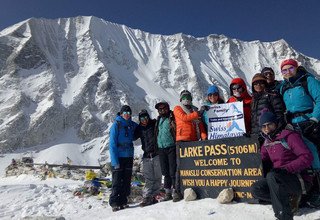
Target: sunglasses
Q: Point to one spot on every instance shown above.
(236, 87)
(213, 94)
(126, 113)
(286, 71)
(268, 73)
(259, 82)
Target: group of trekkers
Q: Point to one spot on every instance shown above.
(284, 114)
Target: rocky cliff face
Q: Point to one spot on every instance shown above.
(73, 74)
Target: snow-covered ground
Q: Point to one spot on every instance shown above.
(28, 196)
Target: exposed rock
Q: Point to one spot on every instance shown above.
(225, 196)
(189, 194)
(62, 75)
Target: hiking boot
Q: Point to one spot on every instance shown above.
(177, 196)
(154, 201)
(124, 206)
(294, 203)
(314, 200)
(167, 197)
(116, 208)
(147, 201)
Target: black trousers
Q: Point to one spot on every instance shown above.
(277, 189)
(168, 163)
(121, 182)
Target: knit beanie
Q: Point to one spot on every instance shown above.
(291, 62)
(212, 89)
(259, 76)
(143, 113)
(162, 103)
(267, 69)
(184, 93)
(267, 117)
(125, 108)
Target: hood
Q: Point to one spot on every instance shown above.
(122, 120)
(241, 82)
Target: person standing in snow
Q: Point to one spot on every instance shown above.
(239, 93)
(265, 100)
(290, 156)
(189, 127)
(121, 154)
(150, 159)
(165, 130)
(301, 95)
(273, 85)
(213, 97)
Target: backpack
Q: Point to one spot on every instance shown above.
(304, 85)
(314, 198)
(313, 150)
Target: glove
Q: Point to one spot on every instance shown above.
(246, 135)
(279, 170)
(289, 127)
(116, 167)
(310, 127)
(203, 108)
(106, 168)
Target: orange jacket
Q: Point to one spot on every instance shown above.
(246, 99)
(186, 127)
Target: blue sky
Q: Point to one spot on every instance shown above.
(296, 21)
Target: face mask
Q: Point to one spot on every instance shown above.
(185, 102)
(237, 94)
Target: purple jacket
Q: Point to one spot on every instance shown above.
(295, 159)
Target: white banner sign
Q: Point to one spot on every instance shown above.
(226, 120)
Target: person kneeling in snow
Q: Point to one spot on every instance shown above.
(290, 156)
(150, 161)
(121, 154)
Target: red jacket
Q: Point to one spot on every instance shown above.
(246, 99)
(186, 127)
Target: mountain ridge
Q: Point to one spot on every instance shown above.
(75, 73)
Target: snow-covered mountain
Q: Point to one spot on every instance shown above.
(68, 77)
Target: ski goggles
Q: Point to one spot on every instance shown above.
(144, 118)
(126, 113)
(286, 71)
(186, 97)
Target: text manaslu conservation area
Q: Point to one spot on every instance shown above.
(211, 166)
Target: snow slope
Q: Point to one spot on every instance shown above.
(26, 196)
(75, 73)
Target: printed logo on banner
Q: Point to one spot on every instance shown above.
(226, 120)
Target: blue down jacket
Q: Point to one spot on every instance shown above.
(297, 99)
(121, 139)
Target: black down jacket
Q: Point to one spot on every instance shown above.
(148, 139)
(271, 101)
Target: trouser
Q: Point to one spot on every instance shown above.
(277, 189)
(178, 184)
(152, 175)
(168, 162)
(121, 182)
